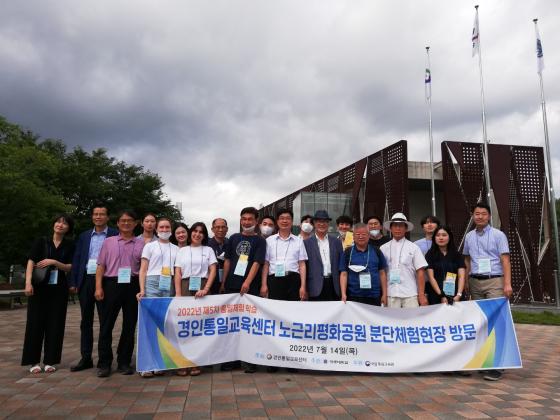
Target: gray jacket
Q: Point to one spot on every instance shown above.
(315, 264)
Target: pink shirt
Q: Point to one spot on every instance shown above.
(118, 252)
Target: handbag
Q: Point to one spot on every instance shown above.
(41, 276)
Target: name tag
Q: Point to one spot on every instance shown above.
(164, 282)
(194, 284)
(220, 274)
(365, 281)
(449, 284)
(124, 275)
(484, 266)
(280, 269)
(53, 277)
(241, 265)
(395, 276)
(91, 267)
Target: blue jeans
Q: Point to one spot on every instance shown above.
(152, 288)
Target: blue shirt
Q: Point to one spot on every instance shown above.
(424, 245)
(490, 243)
(97, 239)
(376, 262)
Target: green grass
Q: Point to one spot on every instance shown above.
(543, 318)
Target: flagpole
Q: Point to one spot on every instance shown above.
(484, 135)
(429, 102)
(551, 196)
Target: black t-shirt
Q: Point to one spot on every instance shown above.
(442, 264)
(218, 250)
(64, 253)
(378, 242)
(252, 246)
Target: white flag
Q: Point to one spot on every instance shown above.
(475, 36)
(428, 84)
(540, 58)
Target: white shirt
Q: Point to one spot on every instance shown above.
(325, 254)
(289, 251)
(159, 255)
(195, 261)
(405, 257)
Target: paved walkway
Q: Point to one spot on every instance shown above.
(532, 391)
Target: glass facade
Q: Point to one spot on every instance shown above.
(336, 204)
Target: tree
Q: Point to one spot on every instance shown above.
(41, 178)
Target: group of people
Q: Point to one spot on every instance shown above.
(112, 269)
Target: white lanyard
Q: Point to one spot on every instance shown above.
(352, 250)
(288, 247)
(400, 254)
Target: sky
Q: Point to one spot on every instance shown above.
(237, 103)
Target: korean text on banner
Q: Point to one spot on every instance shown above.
(182, 332)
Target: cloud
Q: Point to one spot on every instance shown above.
(238, 103)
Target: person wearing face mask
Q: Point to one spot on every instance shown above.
(362, 271)
(245, 254)
(375, 227)
(323, 252)
(218, 244)
(156, 265)
(306, 227)
(267, 226)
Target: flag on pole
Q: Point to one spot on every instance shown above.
(475, 36)
(428, 84)
(540, 58)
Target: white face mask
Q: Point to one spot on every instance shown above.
(164, 235)
(266, 231)
(249, 229)
(357, 268)
(306, 227)
(374, 232)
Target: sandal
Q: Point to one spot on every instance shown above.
(182, 372)
(195, 371)
(146, 374)
(50, 369)
(35, 369)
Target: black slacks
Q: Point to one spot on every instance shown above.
(327, 292)
(118, 296)
(88, 305)
(375, 301)
(46, 321)
(284, 288)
